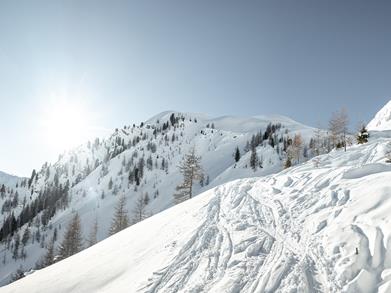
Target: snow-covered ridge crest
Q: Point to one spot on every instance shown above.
(6, 178)
(233, 123)
(382, 120)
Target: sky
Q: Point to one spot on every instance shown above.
(104, 64)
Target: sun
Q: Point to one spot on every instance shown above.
(66, 124)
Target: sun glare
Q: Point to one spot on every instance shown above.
(66, 124)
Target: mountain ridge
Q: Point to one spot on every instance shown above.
(298, 229)
(89, 179)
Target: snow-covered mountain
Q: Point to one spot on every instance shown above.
(11, 186)
(321, 226)
(9, 180)
(90, 179)
(382, 120)
(13, 193)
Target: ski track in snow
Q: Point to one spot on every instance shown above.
(258, 263)
(276, 253)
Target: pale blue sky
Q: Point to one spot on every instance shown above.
(128, 60)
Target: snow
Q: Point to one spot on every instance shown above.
(363, 171)
(382, 120)
(216, 146)
(9, 180)
(294, 231)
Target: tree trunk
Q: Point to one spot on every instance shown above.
(344, 140)
(191, 182)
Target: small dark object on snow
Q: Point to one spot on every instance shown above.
(356, 250)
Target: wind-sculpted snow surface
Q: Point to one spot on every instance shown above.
(306, 229)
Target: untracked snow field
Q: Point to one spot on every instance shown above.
(322, 226)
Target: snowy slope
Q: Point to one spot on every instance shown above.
(89, 169)
(7, 179)
(296, 231)
(382, 120)
(14, 186)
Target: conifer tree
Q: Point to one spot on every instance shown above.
(110, 183)
(15, 253)
(120, 220)
(2, 191)
(190, 168)
(237, 154)
(172, 119)
(362, 136)
(137, 176)
(26, 236)
(207, 180)
(254, 158)
(55, 234)
(33, 174)
(146, 198)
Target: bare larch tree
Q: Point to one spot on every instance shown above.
(190, 168)
(73, 241)
(338, 126)
(120, 220)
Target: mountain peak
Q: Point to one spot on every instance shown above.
(382, 120)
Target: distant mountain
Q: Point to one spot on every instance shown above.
(91, 178)
(9, 180)
(13, 192)
(382, 120)
(320, 226)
